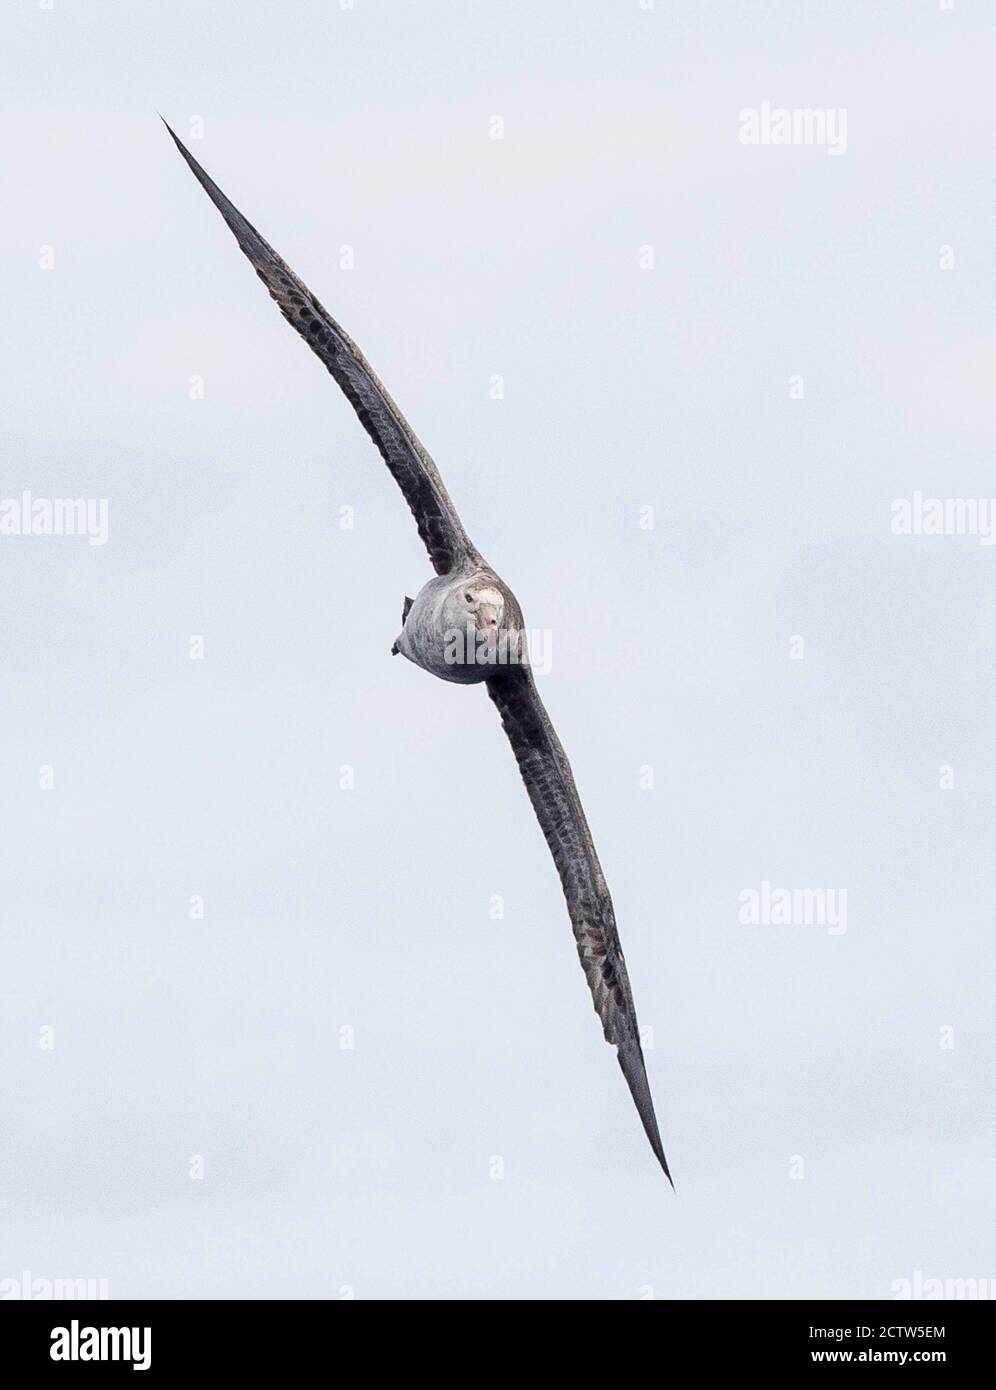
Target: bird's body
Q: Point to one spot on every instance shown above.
(462, 627)
(466, 626)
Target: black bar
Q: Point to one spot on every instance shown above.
(260, 1338)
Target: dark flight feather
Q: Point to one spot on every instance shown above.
(413, 470)
(550, 784)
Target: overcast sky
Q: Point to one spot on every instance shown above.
(767, 345)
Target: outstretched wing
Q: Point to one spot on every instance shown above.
(547, 775)
(413, 470)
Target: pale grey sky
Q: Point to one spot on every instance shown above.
(371, 1169)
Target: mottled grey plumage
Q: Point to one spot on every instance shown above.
(468, 594)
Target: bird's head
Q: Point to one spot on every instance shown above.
(474, 604)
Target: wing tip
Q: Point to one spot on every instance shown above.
(198, 172)
(663, 1162)
(658, 1148)
(245, 233)
(634, 1069)
(175, 138)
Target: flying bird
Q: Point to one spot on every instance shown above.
(466, 625)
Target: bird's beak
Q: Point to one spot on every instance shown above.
(486, 617)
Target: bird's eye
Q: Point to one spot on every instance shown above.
(469, 598)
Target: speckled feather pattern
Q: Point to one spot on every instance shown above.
(413, 470)
(550, 784)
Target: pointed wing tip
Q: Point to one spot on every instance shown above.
(191, 161)
(181, 146)
(658, 1148)
(634, 1069)
(243, 229)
